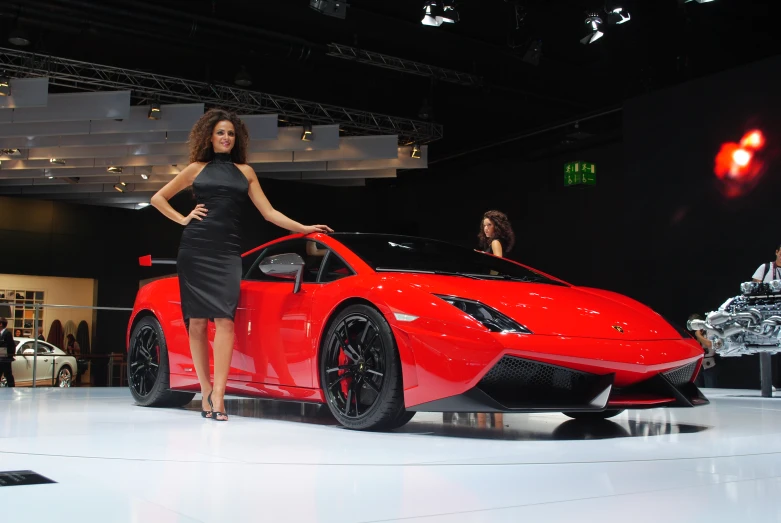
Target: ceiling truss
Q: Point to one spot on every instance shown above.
(148, 87)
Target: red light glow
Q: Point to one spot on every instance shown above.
(737, 164)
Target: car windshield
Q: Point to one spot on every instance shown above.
(389, 253)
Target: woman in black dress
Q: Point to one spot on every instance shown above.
(496, 234)
(209, 260)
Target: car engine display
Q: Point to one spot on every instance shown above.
(746, 324)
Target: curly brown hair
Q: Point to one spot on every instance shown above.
(503, 230)
(200, 140)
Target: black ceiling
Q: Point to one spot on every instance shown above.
(283, 44)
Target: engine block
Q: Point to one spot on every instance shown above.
(746, 324)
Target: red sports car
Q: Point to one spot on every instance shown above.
(379, 327)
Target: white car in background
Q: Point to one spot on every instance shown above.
(54, 366)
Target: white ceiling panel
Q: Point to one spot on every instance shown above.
(326, 137)
(74, 107)
(83, 140)
(43, 129)
(269, 157)
(261, 126)
(287, 167)
(403, 161)
(175, 117)
(26, 92)
(114, 151)
(354, 148)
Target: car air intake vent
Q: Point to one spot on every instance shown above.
(681, 375)
(515, 382)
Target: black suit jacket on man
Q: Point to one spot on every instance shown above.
(7, 341)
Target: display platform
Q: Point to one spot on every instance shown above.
(115, 462)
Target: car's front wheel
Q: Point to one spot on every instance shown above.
(64, 377)
(147, 367)
(585, 415)
(360, 370)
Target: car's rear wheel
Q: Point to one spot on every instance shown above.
(360, 370)
(604, 414)
(64, 377)
(147, 368)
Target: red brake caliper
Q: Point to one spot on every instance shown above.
(344, 360)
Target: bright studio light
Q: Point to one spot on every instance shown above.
(741, 157)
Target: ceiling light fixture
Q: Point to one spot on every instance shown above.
(416, 152)
(5, 86)
(449, 13)
(593, 21)
(243, 78)
(114, 169)
(141, 205)
(155, 113)
(144, 176)
(56, 161)
(617, 13)
(19, 37)
(307, 135)
(334, 8)
(119, 188)
(432, 14)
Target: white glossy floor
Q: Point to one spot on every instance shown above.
(114, 462)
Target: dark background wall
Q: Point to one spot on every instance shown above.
(655, 227)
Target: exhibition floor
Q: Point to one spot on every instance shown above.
(115, 462)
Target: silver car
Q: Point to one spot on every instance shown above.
(54, 366)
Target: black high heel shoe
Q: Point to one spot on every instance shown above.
(207, 413)
(215, 413)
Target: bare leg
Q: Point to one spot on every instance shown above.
(223, 352)
(199, 347)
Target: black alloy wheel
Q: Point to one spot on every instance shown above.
(360, 370)
(586, 415)
(147, 368)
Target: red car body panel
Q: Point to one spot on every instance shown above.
(444, 352)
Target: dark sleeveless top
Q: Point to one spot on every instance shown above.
(222, 188)
(489, 250)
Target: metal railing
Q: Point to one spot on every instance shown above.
(36, 322)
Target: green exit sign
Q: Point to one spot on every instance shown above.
(580, 173)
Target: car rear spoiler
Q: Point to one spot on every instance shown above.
(148, 261)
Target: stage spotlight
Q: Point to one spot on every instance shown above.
(119, 188)
(155, 113)
(56, 161)
(114, 169)
(243, 78)
(330, 8)
(617, 13)
(18, 37)
(449, 13)
(594, 22)
(415, 151)
(5, 86)
(307, 135)
(432, 14)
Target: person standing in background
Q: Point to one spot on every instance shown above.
(496, 234)
(7, 349)
(769, 271)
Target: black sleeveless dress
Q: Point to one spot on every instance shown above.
(209, 260)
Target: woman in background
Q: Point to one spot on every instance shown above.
(496, 234)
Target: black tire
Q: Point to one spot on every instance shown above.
(402, 419)
(147, 368)
(585, 415)
(65, 377)
(359, 353)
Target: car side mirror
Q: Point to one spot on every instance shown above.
(286, 267)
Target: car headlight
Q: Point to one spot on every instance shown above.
(493, 320)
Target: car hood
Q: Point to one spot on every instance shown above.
(554, 310)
